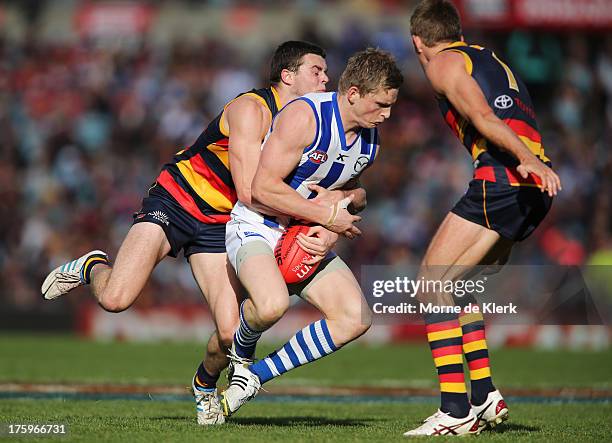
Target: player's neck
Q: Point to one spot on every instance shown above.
(284, 94)
(349, 122)
(431, 52)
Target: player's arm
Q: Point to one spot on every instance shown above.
(294, 130)
(448, 77)
(248, 121)
(352, 187)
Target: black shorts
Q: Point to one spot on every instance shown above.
(182, 230)
(511, 211)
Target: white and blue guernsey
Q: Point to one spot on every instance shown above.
(328, 161)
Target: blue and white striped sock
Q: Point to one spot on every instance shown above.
(245, 338)
(310, 344)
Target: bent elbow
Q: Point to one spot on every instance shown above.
(256, 193)
(244, 196)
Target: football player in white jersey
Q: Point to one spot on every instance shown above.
(318, 144)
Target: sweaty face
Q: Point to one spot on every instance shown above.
(374, 108)
(311, 76)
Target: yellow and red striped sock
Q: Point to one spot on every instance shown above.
(444, 337)
(477, 356)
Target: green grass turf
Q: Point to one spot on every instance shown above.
(57, 359)
(136, 421)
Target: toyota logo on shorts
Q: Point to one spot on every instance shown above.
(503, 102)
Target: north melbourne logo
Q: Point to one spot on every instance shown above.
(503, 102)
(160, 216)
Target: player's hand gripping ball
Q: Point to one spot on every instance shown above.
(290, 257)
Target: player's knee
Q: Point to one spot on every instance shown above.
(226, 337)
(115, 302)
(356, 321)
(272, 310)
(362, 322)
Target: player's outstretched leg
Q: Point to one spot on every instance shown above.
(336, 293)
(71, 275)
(116, 287)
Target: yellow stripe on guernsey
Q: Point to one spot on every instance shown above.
(452, 359)
(534, 147)
(221, 152)
(479, 147)
(479, 374)
(225, 130)
(512, 83)
(204, 189)
(468, 61)
(460, 127)
(441, 335)
(453, 387)
(469, 66)
(474, 346)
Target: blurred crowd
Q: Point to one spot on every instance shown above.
(85, 128)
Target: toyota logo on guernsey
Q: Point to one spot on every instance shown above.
(318, 157)
(503, 102)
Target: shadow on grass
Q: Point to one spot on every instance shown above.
(303, 421)
(512, 427)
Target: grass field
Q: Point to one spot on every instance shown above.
(43, 360)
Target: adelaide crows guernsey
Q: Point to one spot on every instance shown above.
(510, 101)
(199, 178)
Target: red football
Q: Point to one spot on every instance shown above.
(290, 257)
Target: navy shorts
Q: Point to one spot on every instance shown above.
(182, 230)
(512, 211)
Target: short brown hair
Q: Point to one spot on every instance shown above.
(436, 21)
(289, 56)
(370, 69)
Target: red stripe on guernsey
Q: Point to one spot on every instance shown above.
(204, 170)
(187, 202)
(523, 128)
(224, 142)
(474, 336)
(478, 364)
(455, 377)
(447, 350)
(515, 178)
(451, 119)
(485, 173)
(444, 326)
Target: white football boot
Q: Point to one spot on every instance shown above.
(208, 407)
(65, 278)
(244, 385)
(492, 412)
(442, 423)
(235, 360)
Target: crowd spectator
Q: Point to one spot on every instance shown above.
(84, 129)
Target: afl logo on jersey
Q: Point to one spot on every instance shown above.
(503, 102)
(318, 157)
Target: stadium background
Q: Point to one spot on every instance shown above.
(96, 96)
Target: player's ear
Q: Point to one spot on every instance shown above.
(417, 43)
(352, 94)
(287, 77)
